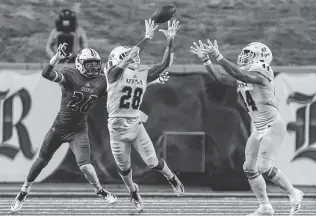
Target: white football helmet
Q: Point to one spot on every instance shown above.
(88, 62)
(253, 53)
(118, 54)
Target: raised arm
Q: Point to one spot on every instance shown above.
(162, 79)
(167, 59)
(215, 73)
(116, 72)
(48, 71)
(232, 69)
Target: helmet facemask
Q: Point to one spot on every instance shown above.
(91, 67)
(134, 64)
(135, 61)
(246, 57)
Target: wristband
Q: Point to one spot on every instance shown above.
(208, 62)
(205, 59)
(53, 61)
(219, 57)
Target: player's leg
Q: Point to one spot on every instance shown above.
(270, 144)
(80, 146)
(256, 181)
(146, 149)
(121, 150)
(50, 144)
(122, 131)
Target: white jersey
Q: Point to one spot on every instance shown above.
(260, 101)
(125, 95)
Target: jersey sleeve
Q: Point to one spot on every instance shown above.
(264, 69)
(63, 76)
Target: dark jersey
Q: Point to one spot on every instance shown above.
(79, 95)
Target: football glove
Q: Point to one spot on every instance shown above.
(213, 50)
(199, 51)
(163, 77)
(61, 54)
(171, 32)
(150, 28)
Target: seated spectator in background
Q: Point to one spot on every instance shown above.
(67, 31)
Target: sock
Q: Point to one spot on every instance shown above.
(164, 169)
(127, 178)
(91, 175)
(258, 186)
(26, 186)
(36, 169)
(283, 182)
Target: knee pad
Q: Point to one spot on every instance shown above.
(160, 165)
(124, 172)
(85, 167)
(152, 161)
(82, 163)
(271, 173)
(250, 169)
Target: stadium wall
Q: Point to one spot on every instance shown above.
(202, 123)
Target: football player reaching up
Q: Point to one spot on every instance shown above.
(255, 85)
(127, 82)
(81, 88)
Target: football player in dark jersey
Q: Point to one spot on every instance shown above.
(81, 87)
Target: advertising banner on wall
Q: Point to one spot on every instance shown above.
(28, 106)
(297, 156)
(206, 113)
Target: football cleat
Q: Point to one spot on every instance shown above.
(263, 210)
(18, 202)
(176, 185)
(107, 196)
(296, 201)
(136, 199)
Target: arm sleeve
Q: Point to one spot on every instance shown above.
(56, 75)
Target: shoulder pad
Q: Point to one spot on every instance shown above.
(262, 68)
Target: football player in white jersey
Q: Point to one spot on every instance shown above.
(255, 85)
(127, 82)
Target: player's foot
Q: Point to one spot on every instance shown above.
(263, 210)
(18, 202)
(296, 200)
(177, 185)
(136, 199)
(107, 196)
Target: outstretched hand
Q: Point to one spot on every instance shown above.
(150, 28)
(163, 77)
(61, 52)
(212, 49)
(199, 51)
(173, 27)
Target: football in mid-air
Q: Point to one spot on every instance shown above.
(163, 14)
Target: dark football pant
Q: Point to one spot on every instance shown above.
(78, 142)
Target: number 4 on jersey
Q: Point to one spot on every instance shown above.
(249, 102)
